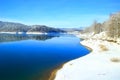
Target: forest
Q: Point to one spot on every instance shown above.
(111, 27)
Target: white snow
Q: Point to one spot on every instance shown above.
(35, 33)
(8, 32)
(22, 33)
(95, 66)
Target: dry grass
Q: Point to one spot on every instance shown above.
(115, 59)
(71, 64)
(103, 47)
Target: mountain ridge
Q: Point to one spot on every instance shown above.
(19, 27)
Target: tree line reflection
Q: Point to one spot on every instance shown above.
(19, 37)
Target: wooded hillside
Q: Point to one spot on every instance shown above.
(111, 27)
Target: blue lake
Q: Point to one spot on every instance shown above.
(33, 57)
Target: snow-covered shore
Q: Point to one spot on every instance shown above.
(7, 32)
(35, 33)
(103, 63)
(22, 33)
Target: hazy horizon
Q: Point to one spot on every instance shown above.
(59, 14)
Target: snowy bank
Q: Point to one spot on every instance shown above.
(7, 32)
(103, 63)
(22, 33)
(35, 33)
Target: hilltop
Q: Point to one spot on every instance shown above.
(18, 27)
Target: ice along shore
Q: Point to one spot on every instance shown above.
(103, 63)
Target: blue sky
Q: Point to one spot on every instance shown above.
(58, 13)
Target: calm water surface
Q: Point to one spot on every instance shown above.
(32, 57)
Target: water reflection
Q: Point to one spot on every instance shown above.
(34, 60)
(18, 37)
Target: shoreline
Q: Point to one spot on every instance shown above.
(54, 71)
(100, 64)
(40, 33)
(53, 74)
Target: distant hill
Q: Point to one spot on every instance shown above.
(43, 28)
(18, 27)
